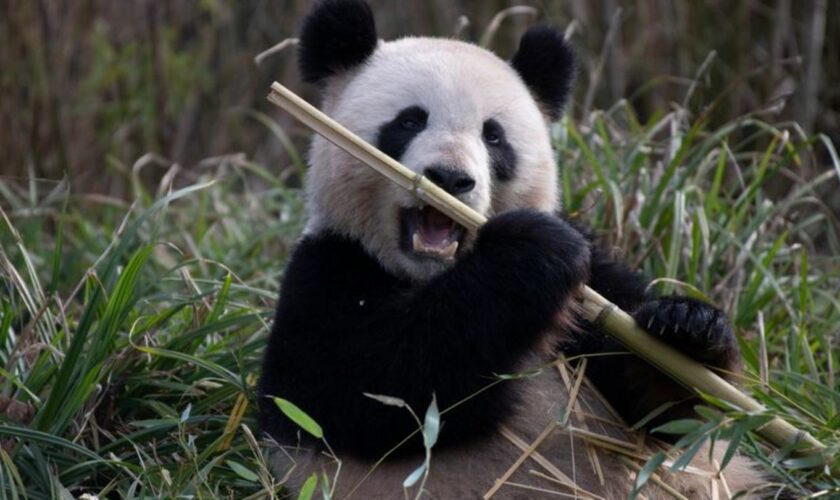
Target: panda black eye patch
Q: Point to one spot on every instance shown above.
(395, 135)
(502, 155)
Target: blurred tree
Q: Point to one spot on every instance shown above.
(87, 87)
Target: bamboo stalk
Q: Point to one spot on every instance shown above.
(596, 308)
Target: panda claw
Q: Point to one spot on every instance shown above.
(696, 328)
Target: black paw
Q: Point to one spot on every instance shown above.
(694, 327)
(536, 245)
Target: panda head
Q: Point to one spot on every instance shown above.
(469, 121)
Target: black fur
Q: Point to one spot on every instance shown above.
(547, 65)
(502, 155)
(395, 136)
(336, 35)
(345, 326)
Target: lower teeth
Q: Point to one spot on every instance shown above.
(447, 252)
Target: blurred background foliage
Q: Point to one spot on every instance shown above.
(88, 87)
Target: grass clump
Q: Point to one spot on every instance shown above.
(735, 216)
(131, 334)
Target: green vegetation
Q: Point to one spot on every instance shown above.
(131, 335)
(703, 211)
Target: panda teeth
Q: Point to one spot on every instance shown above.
(447, 252)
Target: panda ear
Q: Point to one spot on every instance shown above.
(547, 65)
(336, 35)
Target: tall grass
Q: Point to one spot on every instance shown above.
(131, 334)
(694, 207)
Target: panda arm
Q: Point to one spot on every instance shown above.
(345, 327)
(633, 386)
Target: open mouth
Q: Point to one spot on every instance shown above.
(426, 232)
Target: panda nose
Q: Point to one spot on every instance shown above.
(452, 181)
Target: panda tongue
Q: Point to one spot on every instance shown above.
(435, 228)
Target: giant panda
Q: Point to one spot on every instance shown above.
(385, 296)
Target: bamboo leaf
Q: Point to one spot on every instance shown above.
(299, 417)
(682, 426)
(415, 476)
(325, 487)
(659, 410)
(431, 424)
(808, 462)
(646, 471)
(682, 462)
(242, 471)
(308, 488)
(221, 300)
(185, 415)
(387, 400)
(732, 448)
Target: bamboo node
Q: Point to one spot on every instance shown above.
(416, 180)
(603, 314)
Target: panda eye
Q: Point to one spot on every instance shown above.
(410, 124)
(492, 133)
(412, 119)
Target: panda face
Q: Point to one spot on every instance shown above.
(448, 110)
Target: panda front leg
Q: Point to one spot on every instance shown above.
(633, 386)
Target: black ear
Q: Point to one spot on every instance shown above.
(336, 35)
(547, 65)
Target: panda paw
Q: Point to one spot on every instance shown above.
(539, 248)
(694, 327)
